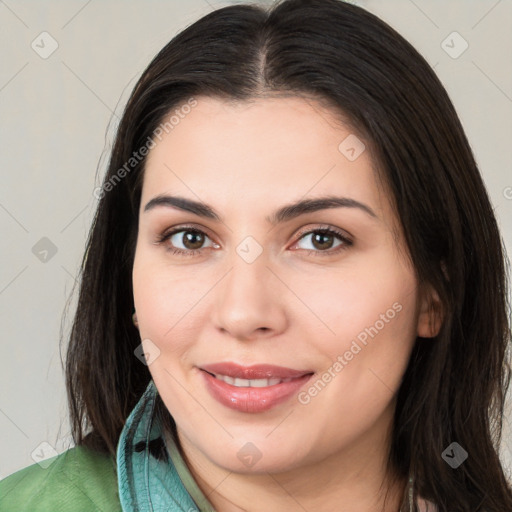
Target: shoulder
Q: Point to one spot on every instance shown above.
(78, 479)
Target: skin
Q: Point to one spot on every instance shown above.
(289, 307)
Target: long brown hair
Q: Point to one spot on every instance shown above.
(454, 388)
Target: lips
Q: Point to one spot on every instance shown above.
(258, 371)
(253, 389)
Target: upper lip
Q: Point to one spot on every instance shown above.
(257, 371)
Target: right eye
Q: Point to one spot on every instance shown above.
(185, 241)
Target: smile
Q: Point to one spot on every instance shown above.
(252, 389)
(252, 383)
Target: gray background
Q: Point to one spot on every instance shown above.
(58, 115)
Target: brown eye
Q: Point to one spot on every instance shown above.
(186, 241)
(322, 240)
(192, 239)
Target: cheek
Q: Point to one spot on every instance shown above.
(365, 361)
(172, 307)
(373, 309)
(166, 297)
(168, 306)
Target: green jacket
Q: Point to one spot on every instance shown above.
(78, 480)
(148, 474)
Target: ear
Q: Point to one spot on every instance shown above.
(430, 317)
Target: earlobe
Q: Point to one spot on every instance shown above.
(430, 316)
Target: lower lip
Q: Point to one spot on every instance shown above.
(247, 399)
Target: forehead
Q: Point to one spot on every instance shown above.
(259, 152)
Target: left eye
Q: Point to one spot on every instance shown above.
(321, 240)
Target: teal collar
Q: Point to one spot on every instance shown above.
(148, 478)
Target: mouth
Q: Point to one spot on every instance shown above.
(252, 389)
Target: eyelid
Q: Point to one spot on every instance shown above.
(324, 227)
(184, 227)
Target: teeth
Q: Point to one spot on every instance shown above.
(253, 383)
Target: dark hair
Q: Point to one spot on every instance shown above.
(346, 58)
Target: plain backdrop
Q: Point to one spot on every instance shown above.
(58, 114)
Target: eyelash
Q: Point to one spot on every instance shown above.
(323, 230)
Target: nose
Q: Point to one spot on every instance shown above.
(249, 303)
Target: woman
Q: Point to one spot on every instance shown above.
(294, 291)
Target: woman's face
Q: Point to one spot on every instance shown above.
(256, 287)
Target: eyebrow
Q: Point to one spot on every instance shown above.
(283, 214)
